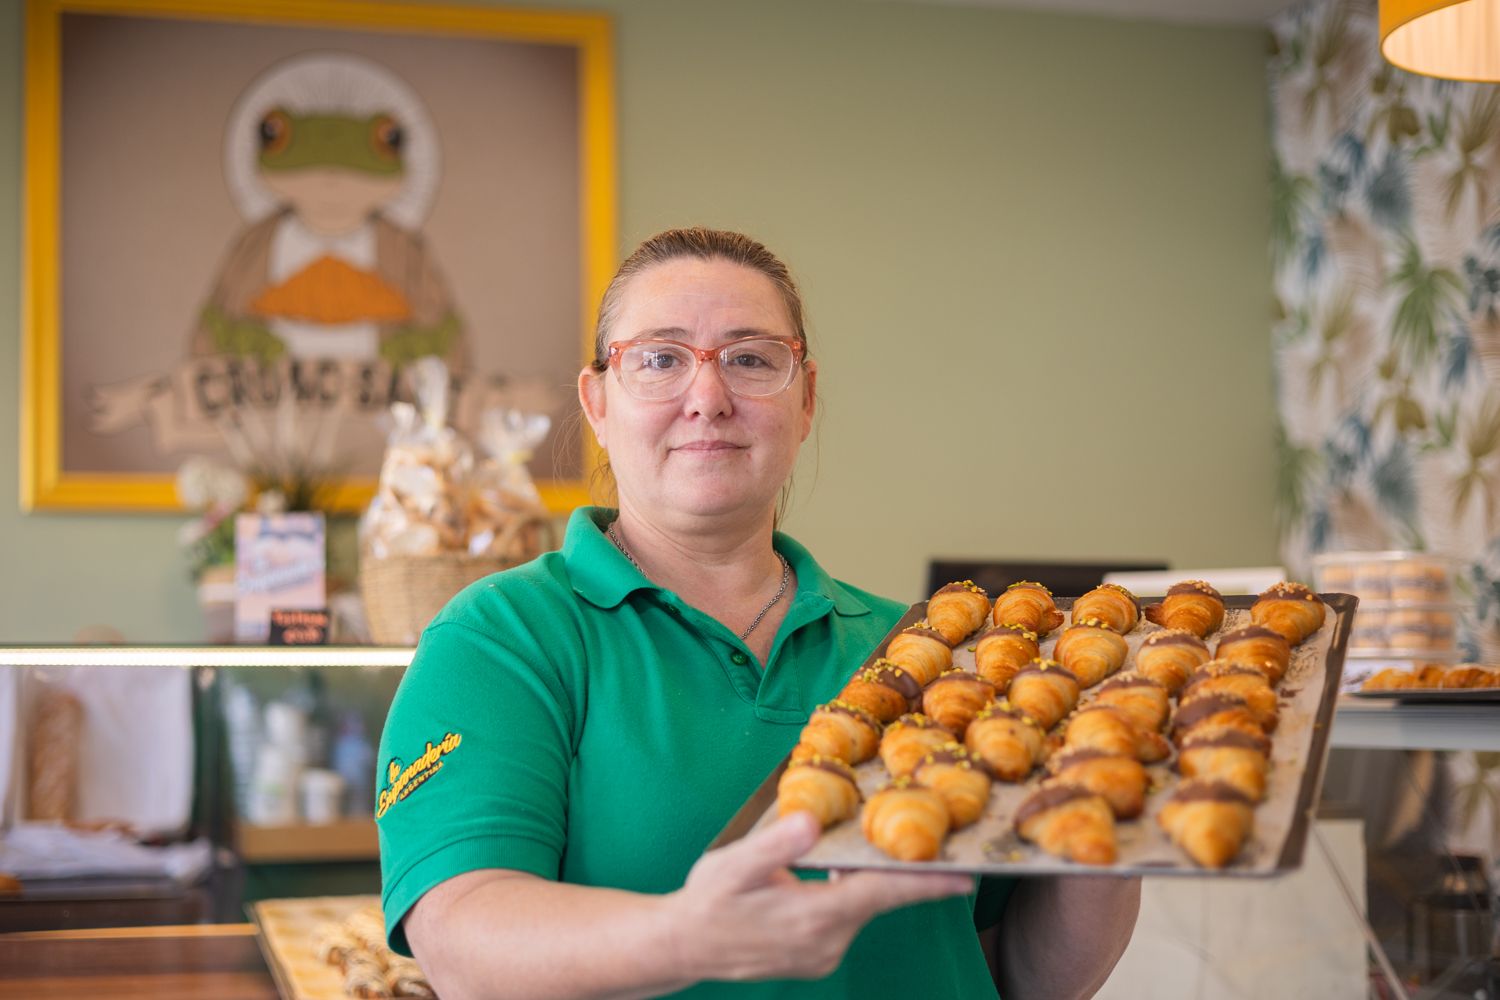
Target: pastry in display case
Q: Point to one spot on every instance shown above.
(1408, 609)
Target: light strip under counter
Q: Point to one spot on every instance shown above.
(206, 656)
(1370, 724)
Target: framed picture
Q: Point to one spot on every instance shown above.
(243, 220)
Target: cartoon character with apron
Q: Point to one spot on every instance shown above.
(333, 161)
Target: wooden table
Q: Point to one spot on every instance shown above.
(192, 962)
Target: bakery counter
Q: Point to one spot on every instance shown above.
(209, 961)
(1383, 724)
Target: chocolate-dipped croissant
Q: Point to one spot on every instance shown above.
(405, 979)
(1169, 657)
(957, 610)
(1224, 709)
(955, 698)
(1208, 819)
(1001, 651)
(1104, 727)
(921, 652)
(1044, 690)
(1291, 609)
(1142, 699)
(1121, 780)
(823, 786)
(906, 820)
(1258, 646)
(963, 782)
(1113, 605)
(1090, 650)
(883, 689)
(1028, 605)
(1232, 756)
(335, 945)
(1219, 676)
(840, 730)
(907, 740)
(1007, 739)
(1192, 606)
(365, 979)
(1069, 821)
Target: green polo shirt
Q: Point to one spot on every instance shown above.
(570, 719)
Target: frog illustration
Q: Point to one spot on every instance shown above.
(333, 161)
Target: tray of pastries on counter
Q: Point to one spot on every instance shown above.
(1029, 734)
(1434, 682)
(331, 948)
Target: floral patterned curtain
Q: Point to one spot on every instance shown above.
(1386, 250)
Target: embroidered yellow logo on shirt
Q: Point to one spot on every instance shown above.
(403, 779)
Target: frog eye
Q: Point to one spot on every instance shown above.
(387, 137)
(275, 131)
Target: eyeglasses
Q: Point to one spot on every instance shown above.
(663, 369)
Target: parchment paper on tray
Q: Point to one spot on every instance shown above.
(1299, 750)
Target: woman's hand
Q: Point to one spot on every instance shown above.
(742, 915)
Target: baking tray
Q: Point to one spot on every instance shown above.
(287, 930)
(1432, 696)
(1299, 752)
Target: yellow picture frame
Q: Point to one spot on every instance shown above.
(45, 484)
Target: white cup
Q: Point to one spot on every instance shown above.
(322, 795)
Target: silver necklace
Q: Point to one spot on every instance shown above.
(786, 576)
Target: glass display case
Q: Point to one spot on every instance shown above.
(277, 746)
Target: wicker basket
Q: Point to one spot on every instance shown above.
(403, 593)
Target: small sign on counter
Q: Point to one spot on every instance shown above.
(280, 562)
(299, 627)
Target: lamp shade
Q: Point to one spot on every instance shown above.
(1456, 39)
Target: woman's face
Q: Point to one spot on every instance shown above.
(707, 452)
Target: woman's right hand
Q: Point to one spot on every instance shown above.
(742, 915)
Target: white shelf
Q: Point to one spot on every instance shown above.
(205, 656)
(1389, 725)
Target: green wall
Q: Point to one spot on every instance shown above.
(1034, 253)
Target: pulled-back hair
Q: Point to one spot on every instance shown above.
(706, 245)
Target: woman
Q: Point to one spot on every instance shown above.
(581, 727)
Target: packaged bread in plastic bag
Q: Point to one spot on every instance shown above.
(418, 507)
(506, 516)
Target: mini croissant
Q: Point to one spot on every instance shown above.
(963, 782)
(1220, 676)
(1007, 739)
(920, 651)
(958, 610)
(1110, 603)
(839, 730)
(1210, 820)
(1104, 727)
(1291, 609)
(1192, 606)
(1258, 646)
(820, 785)
(1044, 690)
(1028, 605)
(1120, 780)
(1223, 709)
(907, 740)
(884, 690)
(1142, 699)
(906, 821)
(955, 698)
(1169, 657)
(1237, 758)
(1002, 651)
(1090, 650)
(1069, 821)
